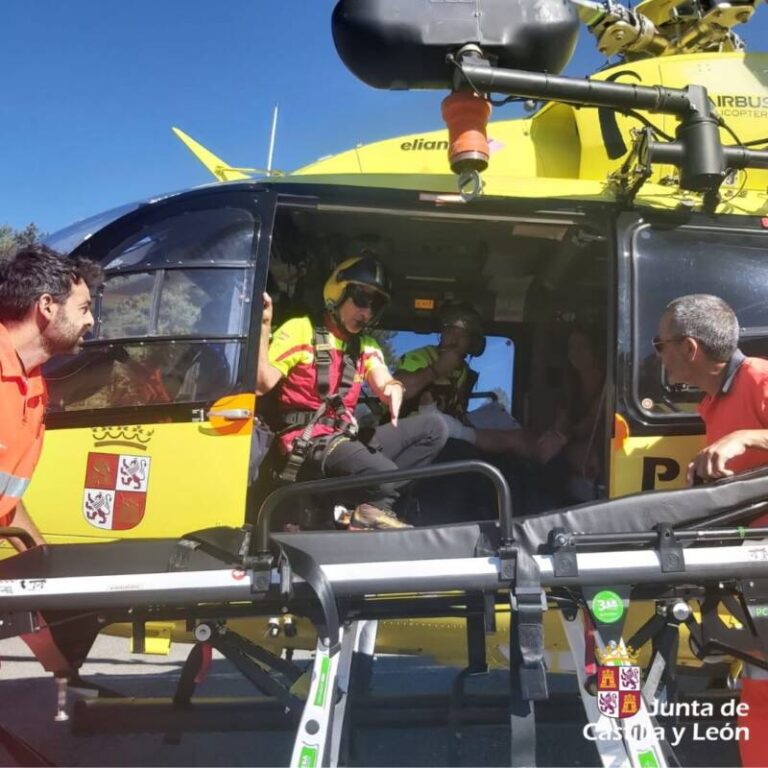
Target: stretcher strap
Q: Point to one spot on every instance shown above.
(228, 545)
(304, 566)
(528, 676)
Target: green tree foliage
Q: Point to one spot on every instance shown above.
(13, 239)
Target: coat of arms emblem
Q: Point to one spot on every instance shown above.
(618, 691)
(115, 492)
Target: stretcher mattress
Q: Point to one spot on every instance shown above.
(642, 511)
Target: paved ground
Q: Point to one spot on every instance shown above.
(28, 705)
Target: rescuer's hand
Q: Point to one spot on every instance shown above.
(266, 314)
(549, 445)
(709, 463)
(392, 394)
(267, 376)
(448, 360)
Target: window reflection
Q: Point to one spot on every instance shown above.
(120, 375)
(67, 239)
(204, 302)
(208, 236)
(186, 278)
(673, 263)
(126, 305)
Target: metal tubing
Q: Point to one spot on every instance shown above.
(260, 543)
(684, 536)
(740, 157)
(533, 85)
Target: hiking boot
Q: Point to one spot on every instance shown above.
(366, 517)
(342, 517)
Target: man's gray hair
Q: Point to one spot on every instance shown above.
(709, 320)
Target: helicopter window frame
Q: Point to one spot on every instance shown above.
(259, 206)
(450, 210)
(677, 410)
(159, 283)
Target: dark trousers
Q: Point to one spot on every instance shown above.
(414, 442)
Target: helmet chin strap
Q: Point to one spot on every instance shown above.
(336, 317)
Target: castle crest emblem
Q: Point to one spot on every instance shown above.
(618, 691)
(115, 493)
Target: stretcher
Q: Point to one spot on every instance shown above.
(688, 551)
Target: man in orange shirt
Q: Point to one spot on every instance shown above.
(45, 310)
(697, 344)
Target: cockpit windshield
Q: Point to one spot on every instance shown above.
(67, 239)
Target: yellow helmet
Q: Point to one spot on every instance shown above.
(359, 270)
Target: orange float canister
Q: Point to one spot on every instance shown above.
(466, 116)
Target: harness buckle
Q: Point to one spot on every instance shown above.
(301, 447)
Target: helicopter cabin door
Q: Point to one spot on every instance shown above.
(662, 256)
(149, 427)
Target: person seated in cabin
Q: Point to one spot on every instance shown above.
(438, 378)
(572, 449)
(317, 368)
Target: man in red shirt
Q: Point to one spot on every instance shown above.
(697, 344)
(45, 309)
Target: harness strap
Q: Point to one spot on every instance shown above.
(304, 443)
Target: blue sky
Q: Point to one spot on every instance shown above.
(91, 89)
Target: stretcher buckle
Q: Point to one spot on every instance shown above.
(527, 598)
(564, 557)
(670, 551)
(507, 563)
(533, 682)
(260, 566)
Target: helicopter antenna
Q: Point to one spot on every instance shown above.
(272, 135)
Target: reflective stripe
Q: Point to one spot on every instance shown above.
(13, 486)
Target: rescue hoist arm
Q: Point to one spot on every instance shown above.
(697, 150)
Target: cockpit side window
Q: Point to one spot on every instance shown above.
(668, 263)
(178, 302)
(172, 319)
(219, 235)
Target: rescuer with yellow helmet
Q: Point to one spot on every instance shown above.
(319, 368)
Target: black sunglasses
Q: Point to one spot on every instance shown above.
(367, 299)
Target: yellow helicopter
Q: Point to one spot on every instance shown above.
(585, 215)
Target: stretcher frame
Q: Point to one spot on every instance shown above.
(266, 574)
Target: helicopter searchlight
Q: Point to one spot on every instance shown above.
(516, 49)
